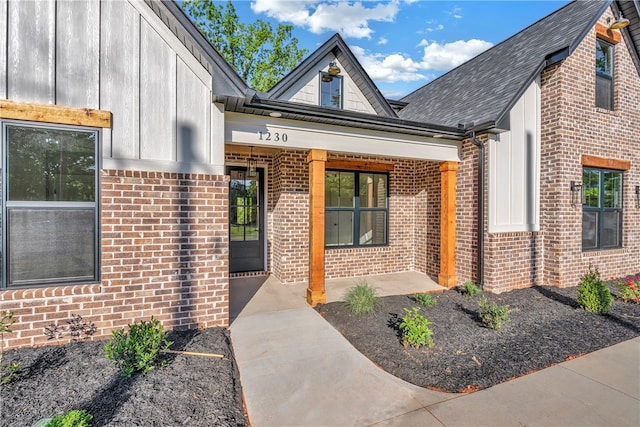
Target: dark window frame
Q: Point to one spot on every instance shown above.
(356, 210)
(320, 92)
(8, 207)
(600, 212)
(605, 75)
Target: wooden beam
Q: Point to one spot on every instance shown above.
(54, 114)
(447, 276)
(601, 162)
(316, 291)
(359, 165)
(607, 34)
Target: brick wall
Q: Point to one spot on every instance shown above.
(414, 220)
(573, 126)
(164, 253)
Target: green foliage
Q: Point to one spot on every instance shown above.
(75, 418)
(415, 329)
(10, 373)
(492, 314)
(361, 299)
(6, 320)
(260, 54)
(139, 349)
(425, 299)
(471, 289)
(628, 290)
(593, 293)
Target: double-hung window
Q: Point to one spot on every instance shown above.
(601, 209)
(49, 204)
(604, 74)
(356, 208)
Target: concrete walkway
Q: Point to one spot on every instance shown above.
(296, 370)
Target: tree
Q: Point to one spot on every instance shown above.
(260, 55)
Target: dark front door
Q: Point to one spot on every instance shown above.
(246, 228)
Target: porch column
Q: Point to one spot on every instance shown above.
(316, 292)
(447, 276)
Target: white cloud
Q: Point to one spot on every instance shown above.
(443, 57)
(390, 68)
(438, 27)
(349, 19)
(383, 40)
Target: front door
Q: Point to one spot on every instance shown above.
(246, 228)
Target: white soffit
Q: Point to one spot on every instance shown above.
(291, 134)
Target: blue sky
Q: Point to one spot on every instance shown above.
(403, 44)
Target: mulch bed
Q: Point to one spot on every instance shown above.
(190, 391)
(547, 328)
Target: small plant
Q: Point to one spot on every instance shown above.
(415, 329)
(492, 314)
(75, 418)
(361, 299)
(470, 289)
(425, 299)
(6, 320)
(139, 349)
(75, 327)
(629, 289)
(593, 293)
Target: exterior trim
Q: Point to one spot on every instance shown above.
(600, 162)
(54, 114)
(607, 34)
(356, 165)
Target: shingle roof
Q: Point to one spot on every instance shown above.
(485, 88)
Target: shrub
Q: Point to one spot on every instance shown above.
(75, 327)
(7, 373)
(471, 289)
(593, 293)
(75, 418)
(425, 299)
(492, 314)
(629, 289)
(361, 299)
(139, 349)
(415, 329)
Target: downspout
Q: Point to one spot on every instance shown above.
(480, 261)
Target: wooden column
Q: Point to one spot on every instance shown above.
(316, 292)
(447, 276)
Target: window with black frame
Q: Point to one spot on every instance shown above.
(330, 90)
(49, 206)
(601, 209)
(356, 208)
(604, 74)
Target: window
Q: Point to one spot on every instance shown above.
(49, 209)
(330, 90)
(604, 75)
(356, 208)
(601, 209)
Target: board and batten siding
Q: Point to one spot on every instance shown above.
(117, 56)
(307, 89)
(514, 168)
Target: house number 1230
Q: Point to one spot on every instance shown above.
(275, 136)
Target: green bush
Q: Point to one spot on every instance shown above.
(7, 373)
(593, 293)
(139, 349)
(75, 418)
(492, 314)
(361, 299)
(470, 289)
(425, 299)
(415, 329)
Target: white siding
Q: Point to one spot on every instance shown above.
(31, 51)
(307, 89)
(514, 168)
(194, 107)
(77, 53)
(120, 77)
(3, 49)
(157, 96)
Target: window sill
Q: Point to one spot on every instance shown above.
(613, 113)
(9, 294)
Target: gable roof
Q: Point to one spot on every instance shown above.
(336, 46)
(631, 10)
(484, 89)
